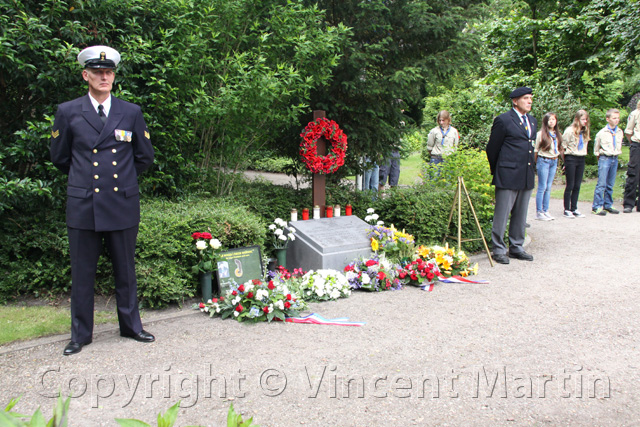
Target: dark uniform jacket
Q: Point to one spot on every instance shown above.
(103, 162)
(510, 152)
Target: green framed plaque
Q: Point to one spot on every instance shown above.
(238, 265)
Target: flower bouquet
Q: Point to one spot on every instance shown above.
(324, 285)
(375, 274)
(418, 273)
(281, 233)
(397, 245)
(450, 262)
(208, 249)
(255, 301)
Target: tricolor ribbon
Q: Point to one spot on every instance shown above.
(452, 279)
(316, 319)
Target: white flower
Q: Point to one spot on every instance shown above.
(292, 237)
(379, 223)
(201, 244)
(278, 232)
(236, 314)
(236, 300)
(215, 243)
(370, 210)
(280, 304)
(282, 237)
(248, 286)
(375, 217)
(270, 308)
(292, 230)
(272, 227)
(217, 309)
(206, 309)
(367, 218)
(366, 279)
(280, 222)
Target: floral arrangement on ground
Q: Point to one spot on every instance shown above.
(256, 301)
(373, 274)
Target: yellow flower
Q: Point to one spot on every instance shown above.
(446, 264)
(464, 273)
(475, 269)
(374, 245)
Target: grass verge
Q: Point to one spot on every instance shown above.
(28, 322)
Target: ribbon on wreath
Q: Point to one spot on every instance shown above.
(452, 279)
(316, 319)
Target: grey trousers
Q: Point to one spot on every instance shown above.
(516, 204)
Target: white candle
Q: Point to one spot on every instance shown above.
(294, 215)
(336, 210)
(316, 212)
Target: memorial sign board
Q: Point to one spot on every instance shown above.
(238, 265)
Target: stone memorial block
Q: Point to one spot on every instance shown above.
(328, 243)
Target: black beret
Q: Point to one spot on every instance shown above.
(517, 93)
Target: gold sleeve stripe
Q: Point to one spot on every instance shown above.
(55, 133)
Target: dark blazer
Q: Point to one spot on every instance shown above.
(510, 152)
(103, 162)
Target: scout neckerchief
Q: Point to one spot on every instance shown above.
(555, 143)
(581, 143)
(444, 133)
(613, 135)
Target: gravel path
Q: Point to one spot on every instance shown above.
(549, 342)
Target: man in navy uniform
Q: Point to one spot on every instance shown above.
(510, 154)
(103, 144)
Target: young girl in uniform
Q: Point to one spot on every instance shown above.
(574, 144)
(548, 149)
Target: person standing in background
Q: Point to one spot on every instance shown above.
(574, 145)
(548, 149)
(632, 186)
(442, 139)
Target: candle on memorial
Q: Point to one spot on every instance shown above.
(294, 215)
(336, 211)
(305, 214)
(328, 212)
(316, 212)
(347, 210)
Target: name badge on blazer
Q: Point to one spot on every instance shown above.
(123, 135)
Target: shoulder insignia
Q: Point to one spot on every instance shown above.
(146, 135)
(55, 133)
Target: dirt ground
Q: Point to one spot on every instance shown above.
(549, 342)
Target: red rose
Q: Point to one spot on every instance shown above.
(206, 236)
(414, 277)
(288, 297)
(388, 283)
(430, 275)
(381, 275)
(239, 308)
(241, 288)
(256, 282)
(195, 235)
(250, 295)
(423, 273)
(287, 304)
(370, 262)
(265, 309)
(201, 305)
(221, 299)
(403, 275)
(271, 286)
(234, 293)
(215, 300)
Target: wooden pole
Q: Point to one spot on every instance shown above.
(319, 182)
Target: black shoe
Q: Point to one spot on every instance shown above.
(73, 348)
(501, 258)
(612, 210)
(627, 210)
(521, 255)
(142, 336)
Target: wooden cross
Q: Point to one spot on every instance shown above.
(319, 182)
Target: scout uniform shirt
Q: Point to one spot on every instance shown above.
(571, 143)
(435, 145)
(551, 153)
(633, 126)
(606, 145)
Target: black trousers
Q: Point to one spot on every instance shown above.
(632, 185)
(573, 172)
(85, 247)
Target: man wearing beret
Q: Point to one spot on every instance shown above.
(102, 143)
(510, 154)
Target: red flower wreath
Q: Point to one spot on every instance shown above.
(328, 129)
